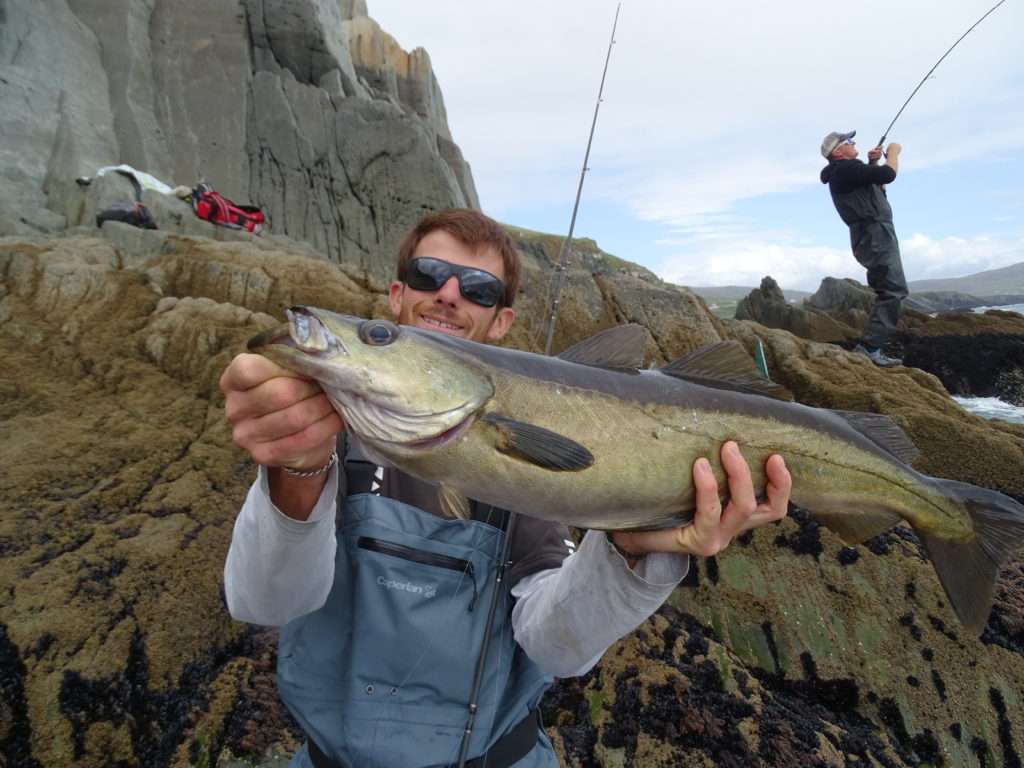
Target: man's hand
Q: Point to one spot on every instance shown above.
(280, 419)
(893, 149)
(713, 528)
(874, 155)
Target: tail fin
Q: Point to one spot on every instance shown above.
(968, 568)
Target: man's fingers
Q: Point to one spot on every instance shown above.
(775, 504)
(247, 371)
(742, 499)
(307, 448)
(287, 421)
(778, 489)
(276, 394)
(709, 506)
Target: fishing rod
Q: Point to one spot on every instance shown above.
(506, 551)
(563, 251)
(954, 45)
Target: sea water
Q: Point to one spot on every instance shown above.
(991, 408)
(1018, 308)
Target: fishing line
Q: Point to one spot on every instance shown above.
(925, 78)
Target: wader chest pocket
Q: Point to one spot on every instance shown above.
(432, 559)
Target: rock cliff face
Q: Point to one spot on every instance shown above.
(303, 107)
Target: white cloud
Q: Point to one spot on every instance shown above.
(688, 85)
(925, 258)
(745, 260)
(715, 107)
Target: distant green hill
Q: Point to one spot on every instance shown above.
(1006, 280)
(737, 292)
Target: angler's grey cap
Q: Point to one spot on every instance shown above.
(833, 140)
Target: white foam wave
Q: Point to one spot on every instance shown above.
(991, 408)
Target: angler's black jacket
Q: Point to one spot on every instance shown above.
(857, 192)
(860, 199)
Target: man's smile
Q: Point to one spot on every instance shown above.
(438, 324)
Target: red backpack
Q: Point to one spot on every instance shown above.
(216, 208)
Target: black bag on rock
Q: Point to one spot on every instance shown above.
(135, 214)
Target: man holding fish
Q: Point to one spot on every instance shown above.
(384, 605)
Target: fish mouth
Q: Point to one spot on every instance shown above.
(274, 337)
(310, 347)
(304, 332)
(402, 431)
(447, 436)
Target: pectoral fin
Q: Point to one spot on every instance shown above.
(539, 446)
(453, 504)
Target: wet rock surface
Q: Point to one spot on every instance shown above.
(979, 355)
(121, 485)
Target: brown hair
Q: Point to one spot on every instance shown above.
(473, 229)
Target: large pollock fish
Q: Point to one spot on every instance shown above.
(591, 440)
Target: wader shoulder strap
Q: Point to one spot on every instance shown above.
(360, 477)
(505, 752)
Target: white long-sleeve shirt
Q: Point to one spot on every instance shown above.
(279, 568)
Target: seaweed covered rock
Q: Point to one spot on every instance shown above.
(122, 485)
(1009, 386)
(972, 354)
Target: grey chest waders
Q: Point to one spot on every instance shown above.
(381, 675)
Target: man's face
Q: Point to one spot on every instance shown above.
(446, 309)
(845, 151)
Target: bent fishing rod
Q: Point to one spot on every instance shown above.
(564, 251)
(506, 551)
(925, 78)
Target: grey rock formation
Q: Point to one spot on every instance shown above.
(768, 306)
(303, 107)
(55, 116)
(841, 295)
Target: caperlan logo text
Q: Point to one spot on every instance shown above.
(427, 590)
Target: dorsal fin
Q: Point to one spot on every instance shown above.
(883, 432)
(620, 348)
(725, 365)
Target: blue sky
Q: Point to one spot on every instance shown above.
(705, 160)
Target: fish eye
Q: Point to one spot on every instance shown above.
(378, 333)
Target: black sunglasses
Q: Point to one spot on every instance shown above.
(426, 273)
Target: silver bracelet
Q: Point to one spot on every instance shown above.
(313, 472)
